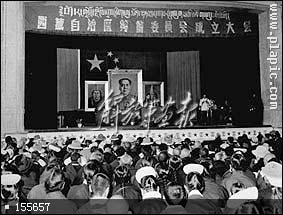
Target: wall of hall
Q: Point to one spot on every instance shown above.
(12, 62)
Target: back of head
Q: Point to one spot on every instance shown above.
(56, 181)
(75, 157)
(90, 169)
(238, 162)
(194, 181)
(130, 193)
(219, 167)
(175, 194)
(250, 207)
(100, 185)
(117, 205)
(149, 183)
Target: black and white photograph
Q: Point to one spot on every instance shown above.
(153, 92)
(95, 94)
(141, 107)
(126, 86)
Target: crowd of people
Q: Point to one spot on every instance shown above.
(142, 175)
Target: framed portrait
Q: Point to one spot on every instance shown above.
(153, 90)
(95, 94)
(126, 83)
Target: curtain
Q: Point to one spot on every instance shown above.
(183, 75)
(67, 79)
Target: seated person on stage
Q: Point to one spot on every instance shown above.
(125, 98)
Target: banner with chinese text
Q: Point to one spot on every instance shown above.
(138, 22)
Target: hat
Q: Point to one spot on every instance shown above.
(170, 151)
(273, 172)
(268, 157)
(75, 145)
(61, 142)
(10, 179)
(37, 147)
(103, 143)
(193, 168)
(224, 145)
(126, 159)
(146, 141)
(3, 144)
(242, 196)
(177, 151)
(145, 171)
(3, 152)
(130, 139)
(220, 155)
(177, 140)
(196, 144)
(254, 140)
(114, 137)
(36, 137)
(100, 137)
(44, 144)
(54, 148)
(185, 153)
(158, 140)
(260, 151)
(95, 144)
(244, 150)
(168, 139)
(10, 152)
(27, 154)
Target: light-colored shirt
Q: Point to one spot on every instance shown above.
(204, 104)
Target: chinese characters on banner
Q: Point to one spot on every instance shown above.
(139, 21)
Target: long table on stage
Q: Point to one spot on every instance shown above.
(194, 132)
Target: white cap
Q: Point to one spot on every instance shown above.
(268, 157)
(260, 151)
(54, 148)
(168, 139)
(92, 145)
(244, 150)
(146, 141)
(41, 162)
(145, 171)
(224, 145)
(192, 167)
(76, 144)
(273, 172)
(249, 194)
(10, 152)
(185, 153)
(170, 151)
(10, 179)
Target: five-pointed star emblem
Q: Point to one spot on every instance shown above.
(95, 63)
(109, 54)
(116, 68)
(116, 60)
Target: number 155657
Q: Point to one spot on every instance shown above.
(34, 207)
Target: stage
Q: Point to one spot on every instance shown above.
(194, 132)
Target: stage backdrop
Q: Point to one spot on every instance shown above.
(67, 79)
(183, 71)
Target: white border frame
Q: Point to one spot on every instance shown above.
(161, 86)
(126, 71)
(105, 83)
(79, 79)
